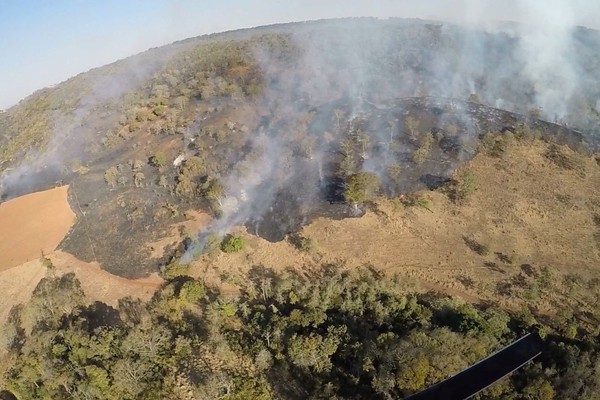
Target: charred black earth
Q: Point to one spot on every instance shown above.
(115, 225)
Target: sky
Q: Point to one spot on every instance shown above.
(44, 42)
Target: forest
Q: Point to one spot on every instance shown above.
(334, 334)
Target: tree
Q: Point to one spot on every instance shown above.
(539, 389)
(411, 375)
(314, 351)
(193, 166)
(192, 291)
(394, 173)
(474, 98)
(361, 187)
(421, 154)
(53, 297)
(136, 165)
(138, 179)
(392, 125)
(364, 141)
(214, 191)
(463, 187)
(339, 115)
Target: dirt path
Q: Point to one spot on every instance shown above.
(33, 224)
(101, 285)
(17, 283)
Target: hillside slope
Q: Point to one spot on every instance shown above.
(265, 127)
(345, 209)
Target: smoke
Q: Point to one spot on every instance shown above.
(341, 93)
(74, 131)
(353, 70)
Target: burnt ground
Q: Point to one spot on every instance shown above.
(115, 225)
(321, 192)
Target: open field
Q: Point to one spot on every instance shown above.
(527, 216)
(33, 225)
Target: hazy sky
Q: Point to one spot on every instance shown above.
(45, 42)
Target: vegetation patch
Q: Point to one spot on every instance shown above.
(285, 336)
(361, 187)
(479, 248)
(233, 244)
(567, 161)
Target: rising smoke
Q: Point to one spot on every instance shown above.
(346, 78)
(358, 67)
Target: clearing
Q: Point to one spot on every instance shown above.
(33, 225)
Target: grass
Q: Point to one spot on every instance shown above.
(566, 161)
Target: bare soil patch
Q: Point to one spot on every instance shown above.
(18, 283)
(101, 285)
(177, 232)
(33, 224)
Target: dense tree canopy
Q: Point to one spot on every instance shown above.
(334, 335)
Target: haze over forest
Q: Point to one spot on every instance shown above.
(50, 43)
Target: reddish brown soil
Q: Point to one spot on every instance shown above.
(33, 224)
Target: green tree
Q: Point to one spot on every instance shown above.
(192, 291)
(314, 351)
(420, 155)
(361, 187)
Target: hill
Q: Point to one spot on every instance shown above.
(372, 164)
(276, 117)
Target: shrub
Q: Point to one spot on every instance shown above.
(233, 244)
(415, 200)
(525, 133)
(477, 247)
(424, 202)
(496, 145)
(174, 270)
(306, 244)
(163, 181)
(302, 243)
(563, 160)
(158, 160)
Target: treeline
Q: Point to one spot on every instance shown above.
(337, 334)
